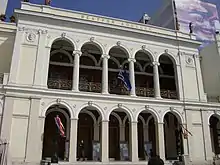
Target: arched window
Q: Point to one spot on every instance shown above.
(144, 74)
(90, 68)
(167, 77)
(118, 60)
(60, 74)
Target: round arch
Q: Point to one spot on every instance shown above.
(149, 110)
(122, 47)
(147, 52)
(64, 52)
(66, 38)
(170, 56)
(62, 103)
(97, 108)
(90, 114)
(176, 113)
(92, 58)
(139, 116)
(213, 115)
(124, 109)
(94, 43)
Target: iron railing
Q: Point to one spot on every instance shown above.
(97, 87)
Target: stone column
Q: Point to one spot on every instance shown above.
(41, 63)
(146, 134)
(77, 55)
(122, 132)
(96, 132)
(73, 140)
(160, 140)
(104, 142)
(156, 80)
(206, 135)
(132, 76)
(134, 142)
(105, 73)
(33, 153)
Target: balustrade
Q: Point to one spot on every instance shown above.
(59, 84)
(97, 88)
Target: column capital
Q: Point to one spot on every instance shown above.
(131, 60)
(134, 122)
(105, 121)
(74, 119)
(155, 63)
(105, 56)
(77, 52)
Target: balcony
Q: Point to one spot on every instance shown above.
(97, 88)
(59, 84)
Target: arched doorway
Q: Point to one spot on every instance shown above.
(90, 68)
(119, 136)
(118, 60)
(60, 73)
(53, 143)
(215, 134)
(173, 137)
(167, 72)
(144, 74)
(89, 131)
(146, 135)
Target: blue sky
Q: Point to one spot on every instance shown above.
(125, 9)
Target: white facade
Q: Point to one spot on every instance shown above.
(27, 100)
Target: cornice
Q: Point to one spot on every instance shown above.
(26, 92)
(8, 27)
(101, 21)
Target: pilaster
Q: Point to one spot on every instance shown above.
(42, 60)
(33, 153)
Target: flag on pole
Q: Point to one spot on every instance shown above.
(124, 77)
(60, 126)
(47, 2)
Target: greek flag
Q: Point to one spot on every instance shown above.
(124, 77)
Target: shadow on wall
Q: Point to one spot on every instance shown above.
(6, 51)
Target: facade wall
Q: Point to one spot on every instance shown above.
(27, 97)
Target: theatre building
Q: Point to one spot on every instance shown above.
(66, 64)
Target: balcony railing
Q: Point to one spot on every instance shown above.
(59, 84)
(97, 87)
(90, 87)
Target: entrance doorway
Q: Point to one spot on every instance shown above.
(53, 141)
(215, 134)
(173, 137)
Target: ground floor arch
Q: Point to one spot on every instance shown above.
(173, 137)
(214, 124)
(89, 135)
(119, 136)
(146, 135)
(55, 144)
